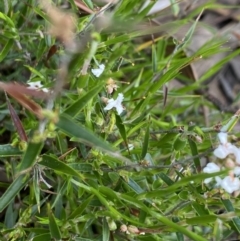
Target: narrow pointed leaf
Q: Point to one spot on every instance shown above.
(230, 208)
(145, 143)
(58, 165)
(9, 150)
(29, 158)
(72, 129)
(75, 108)
(6, 49)
(54, 230)
(121, 128)
(105, 231)
(16, 186)
(194, 151)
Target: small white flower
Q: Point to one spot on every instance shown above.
(99, 71)
(130, 147)
(36, 86)
(116, 104)
(226, 148)
(210, 168)
(230, 184)
(222, 151)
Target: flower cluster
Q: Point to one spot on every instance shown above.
(230, 183)
(111, 86)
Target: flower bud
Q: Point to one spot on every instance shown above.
(133, 229)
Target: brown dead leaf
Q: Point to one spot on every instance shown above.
(16, 121)
(20, 92)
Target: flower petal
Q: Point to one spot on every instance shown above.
(230, 184)
(222, 137)
(116, 104)
(218, 181)
(211, 167)
(236, 171)
(221, 152)
(99, 71)
(110, 105)
(236, 151)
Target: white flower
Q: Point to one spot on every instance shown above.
(36, 86)
(99, 71)
(230, 184)
(116, 104)
(236, 171)
(226, 148)
(222, 136)
(130, 147)
(211, 168)
(218, 181)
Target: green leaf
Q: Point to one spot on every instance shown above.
(145, 143)
(130, 132)
(37, 73)
(218, 65)
(166, 179)
(230, 208)
(194, 151)
(82, 167)
(202, 220)
(27, 162)
(76, 107)
(6, 49)
(36, 190)
(177, 227)
(9, 150)
(180, 184)
(72, 129)
(200, 209)
(105, 230)
(154, 58)
(29, 157)
(78, 212)
(59, 166)
(7, 20)
(41, 237)
(231, 123)
(54, 230)
(179, 143)
(121, 128)
(16, 186)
